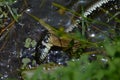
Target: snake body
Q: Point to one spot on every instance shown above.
(86, 13)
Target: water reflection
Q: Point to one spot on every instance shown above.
(28, 10)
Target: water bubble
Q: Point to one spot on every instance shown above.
(29, 10)
(92, 35)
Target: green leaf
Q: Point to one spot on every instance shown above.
(25, 61)
(110, 49)
(27, 43)
(33, 43)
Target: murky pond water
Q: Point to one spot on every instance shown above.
(12, 47)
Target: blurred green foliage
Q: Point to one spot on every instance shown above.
(103, 68)
(9, 2)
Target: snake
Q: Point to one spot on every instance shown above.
(48, 41)
(88, 12)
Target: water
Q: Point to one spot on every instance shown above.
(14, 50)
